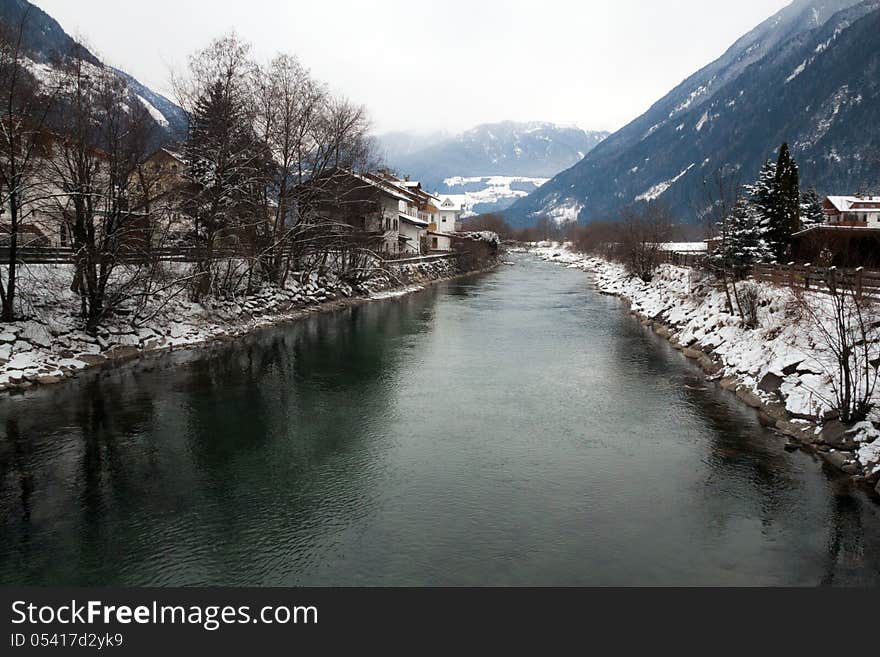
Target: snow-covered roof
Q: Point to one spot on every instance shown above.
(449, 205)
(854, 203)
(387, 188)
(413, 220)
(861, 230)
(681, 247)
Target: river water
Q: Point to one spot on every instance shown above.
(511, 428)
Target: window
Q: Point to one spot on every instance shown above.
(433, 242)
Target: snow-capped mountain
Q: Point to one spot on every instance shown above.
(44, 39)
(807, 75)
(509, 148)
(491, 165)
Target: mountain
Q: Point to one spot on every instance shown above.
(534, 149)
(44, 39)
(809, 75)
(488, 167)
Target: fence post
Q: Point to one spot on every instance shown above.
(858, 281)
(807, 277)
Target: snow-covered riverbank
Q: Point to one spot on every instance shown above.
(51, 346)
(781, 368)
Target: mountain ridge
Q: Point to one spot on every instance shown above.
(44, 39)
(709, 118)
(537, 149)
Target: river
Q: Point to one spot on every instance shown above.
(512, 428)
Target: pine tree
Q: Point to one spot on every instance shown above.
(227, 173)
(784, 216)
(225, 163)
(744, 239)
(811, 209)
(762, 193)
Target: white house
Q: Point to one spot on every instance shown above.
(449, 216)
(859, 210)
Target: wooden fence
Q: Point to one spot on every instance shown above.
(46, 255)
(417, 259)
(865, 283)
(683, 258)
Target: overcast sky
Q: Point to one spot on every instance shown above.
(447, 65)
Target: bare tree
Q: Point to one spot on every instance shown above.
(849, 329)
(720, 196)
(26, 103)
(642, 233)
(94, 167)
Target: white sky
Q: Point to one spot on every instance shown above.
(442, 65)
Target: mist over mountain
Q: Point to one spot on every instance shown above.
(509, 148)
(809, 75)
(490, 166)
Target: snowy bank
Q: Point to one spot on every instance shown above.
(783, 367)
(51, 345)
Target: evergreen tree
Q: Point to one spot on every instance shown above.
(811, 209)
(744, 239)
(225, 163)
(227, 174)
(784, 216)
(762, 193)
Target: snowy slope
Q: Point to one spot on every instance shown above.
(807, 75)
(44, 39)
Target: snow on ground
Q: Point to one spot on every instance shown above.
(660, 188)
(682, 247)
(50, 344)
(158, 117)
(784, 360)
(494, 189)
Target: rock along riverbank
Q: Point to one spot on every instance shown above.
(50, 347)
(779, 368)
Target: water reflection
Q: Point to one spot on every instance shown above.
(515, 428)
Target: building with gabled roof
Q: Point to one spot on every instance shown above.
(858, 210)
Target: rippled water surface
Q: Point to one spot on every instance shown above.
(511, 428)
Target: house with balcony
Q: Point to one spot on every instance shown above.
(850, 236)
(858, 211)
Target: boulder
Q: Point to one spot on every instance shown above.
(747, 396)
(765, 420)
(36, 334)
(770, 383)
(728, 383)
(709, 365)
(91, 359)
(834, 434)
(691, 353)
(47, 379)
(836, 459)
(790, 369)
